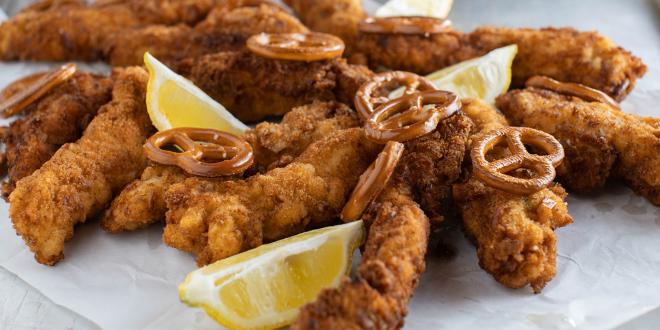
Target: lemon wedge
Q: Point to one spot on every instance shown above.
(174, 101)
(484, 78)
(431, 8)
(263, 288)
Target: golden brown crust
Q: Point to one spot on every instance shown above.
(227, 27)
(393, 258)
(278, 144)
(57, 118)
(80, 180)
(215, 220)
(338, 17)
(567, 55)
(275, 145)
(601, 141)
(45, 5)
(253, 87)
(513, 233)
(563, 54)
(142, 202)
(431, 163)
(415, 53)
(73, 32)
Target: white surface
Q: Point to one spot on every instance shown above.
(607, 267)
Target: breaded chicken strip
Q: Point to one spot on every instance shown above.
(275, 145)
(415, 53)
(431, 163)
(392, 262)
(57, 118)
(227, 27)
(278, 144)
(393, 258)
(59, 32)
(80, 180)
(142, 202)
(600, 141)
(338, 17)
(513, 233)
(564, 54)
(254, 87)
(45, 5)
(215, 220)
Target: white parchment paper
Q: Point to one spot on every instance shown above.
(608, 263)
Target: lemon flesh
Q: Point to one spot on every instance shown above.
(430, 8)
(174, 101)
(264, 288)
(484, 78)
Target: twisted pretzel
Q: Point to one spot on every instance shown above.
(372, 181)
(404, 25)
(37, 88)
(366, 102)
(579, 90)
(410, 116)
(199, 150)
(296, 46)
(495, 173)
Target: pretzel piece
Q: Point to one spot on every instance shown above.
(494, 173)
(307, 47)
(421, 25)
(584, 92)
(38, 87)
(372, 181)
(201, 151)
(366, 101)
(410, 116)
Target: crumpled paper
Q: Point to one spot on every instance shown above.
(607, 272)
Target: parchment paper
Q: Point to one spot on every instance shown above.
(608, 264)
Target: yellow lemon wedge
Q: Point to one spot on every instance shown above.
(485, 77)
(263, 288)
(431, 8)
(174, 101)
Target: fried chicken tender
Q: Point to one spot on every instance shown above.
(254, 87)
(563, 54)
(275, 145)
(278, 144)
(392, 262)
(338, 17)
(142, 202)
(57, 118)
(432, 163)
(227, 27)
(81, 178)
(215, 220)
(419, 54)
(600, 141)
(45, 5)
(61, 32)
(513, 233)
(393, 258)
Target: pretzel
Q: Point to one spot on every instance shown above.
(404, 25)
(494, 173)
(366, 102)
(409, 116)
(199, 150)
(308, 47)
(372, 181)
(35, 90)
(579, 90)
